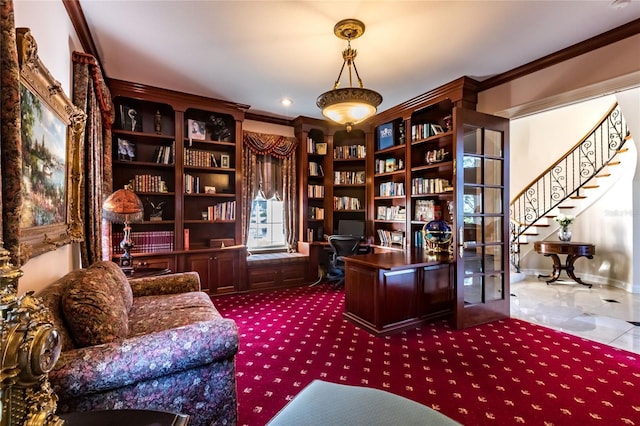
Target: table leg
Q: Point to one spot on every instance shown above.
(557, 267)
(570, 261)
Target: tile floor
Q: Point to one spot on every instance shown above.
(603, 313)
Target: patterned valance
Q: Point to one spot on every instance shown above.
(102, 91)
(263, 144)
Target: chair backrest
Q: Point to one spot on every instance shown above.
(344, 245)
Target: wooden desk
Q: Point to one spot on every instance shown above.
(573, 251)
(389, 292)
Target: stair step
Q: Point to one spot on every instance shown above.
(566, 207)
(531, 234)
(578, 197)
(591, 186)
(543, 225)
(603, 175)
(620, 151)
(613, 163)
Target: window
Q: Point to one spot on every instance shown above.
(266, 227)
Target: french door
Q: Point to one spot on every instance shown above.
(481, 218)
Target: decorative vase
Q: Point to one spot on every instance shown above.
(564, 234)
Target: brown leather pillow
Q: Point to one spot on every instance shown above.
(93, 309)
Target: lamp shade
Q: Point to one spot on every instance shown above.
(123, 206)
(349, 105)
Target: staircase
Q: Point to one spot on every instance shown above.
(569, 185)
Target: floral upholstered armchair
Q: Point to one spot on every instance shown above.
(153, 343)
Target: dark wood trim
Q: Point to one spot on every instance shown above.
(620, 33)
(268, 119)
(74, 10)
(178, 100)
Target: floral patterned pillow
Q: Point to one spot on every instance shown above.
(119, 278)
(93, 309)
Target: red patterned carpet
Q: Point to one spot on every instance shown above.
(505, 373)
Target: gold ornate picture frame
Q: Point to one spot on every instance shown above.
(52, 133)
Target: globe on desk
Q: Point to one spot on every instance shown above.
(437, 236)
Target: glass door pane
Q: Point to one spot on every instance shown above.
(482, 256)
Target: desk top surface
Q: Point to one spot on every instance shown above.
(564, 247)
(398, 259)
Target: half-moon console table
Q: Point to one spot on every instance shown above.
(573, 251)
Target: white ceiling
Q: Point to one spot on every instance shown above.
(257, 52)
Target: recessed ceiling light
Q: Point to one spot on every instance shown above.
(286, 102)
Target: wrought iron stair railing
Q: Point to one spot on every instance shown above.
(566, 176)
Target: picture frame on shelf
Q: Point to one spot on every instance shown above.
(49, 219)
(209, 189)
(225, 162)
(321, 148)
(126, 150)
(385, 136)
(196, 130)
(390, 165)
(397, 237)
(436, 129)
(130, 119)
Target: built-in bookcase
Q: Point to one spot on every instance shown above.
(182, 155)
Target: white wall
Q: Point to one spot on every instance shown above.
(56, 39)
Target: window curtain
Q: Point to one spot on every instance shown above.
(10, 148)
(91, 95)
(269, 164)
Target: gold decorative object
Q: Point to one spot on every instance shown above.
(350, 105)
(30, 346)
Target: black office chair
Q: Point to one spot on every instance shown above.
(342, 246)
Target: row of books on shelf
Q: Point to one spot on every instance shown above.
(314, 147)
(315, 191)
(164, 154)
(349, 178)
(391, 189)
(418, 239)
(391, 213)
(192, 185)
(144, 241)
(430, 186)
(315, 169)
(388, 165)
(427, 210)
(199, 158)
(425, 130)
(148, 183)
(221, 211)
(346, 203)
(316, 213)
(347, 152)
(388, 238)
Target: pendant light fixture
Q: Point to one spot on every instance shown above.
(349, 105)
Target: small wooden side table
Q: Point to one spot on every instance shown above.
(573, 251)
(147, 272)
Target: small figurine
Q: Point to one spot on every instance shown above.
(157, 122)
(157, 210)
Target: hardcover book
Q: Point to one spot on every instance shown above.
(385, 136)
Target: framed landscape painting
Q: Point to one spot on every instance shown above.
(51, 131)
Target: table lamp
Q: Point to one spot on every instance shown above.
(124, 206)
